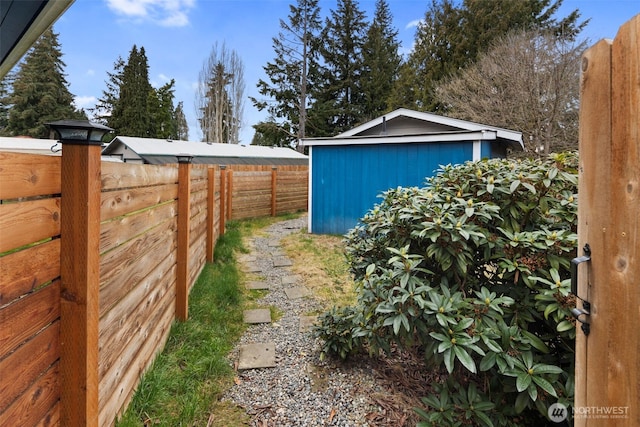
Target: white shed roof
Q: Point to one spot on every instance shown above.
(420, 126)
(29, 145)
(151, 148)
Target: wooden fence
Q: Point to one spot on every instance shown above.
(608, 358)
(97, 260)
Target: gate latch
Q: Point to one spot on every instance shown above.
(586, 305)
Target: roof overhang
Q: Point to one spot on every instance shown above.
(484, 135)
(512, 138)
(21, 23)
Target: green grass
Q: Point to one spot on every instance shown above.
(184, 385)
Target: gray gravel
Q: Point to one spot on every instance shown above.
(301, 390)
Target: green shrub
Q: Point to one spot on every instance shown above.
(473, 271)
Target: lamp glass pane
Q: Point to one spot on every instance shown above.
(96, 135)
(75, 134)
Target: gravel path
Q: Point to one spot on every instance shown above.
(301, 390)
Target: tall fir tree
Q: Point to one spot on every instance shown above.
(338, 95)
(130, 115)
(452, 36)
(290, 75)
(182, 127)
(40, 92)
(431, 58)
(5, 89)
(382, 60)
(162, 112)
(103, 111)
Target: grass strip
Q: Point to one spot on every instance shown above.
(184, 385)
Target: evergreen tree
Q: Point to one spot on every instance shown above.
(182, 127)
(381, 62)
(291, 73)
(273, 134)
(431, 58)
(338, 96)
(40, 92)
(5, 89)
(130, 113)
(451, 37)
(162, 112)
(102, 112)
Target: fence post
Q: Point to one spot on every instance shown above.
(223, 198)
(607, 362)
(211, 217)
(274, 181)
(80, 276)
(184, 214)
(230, 194)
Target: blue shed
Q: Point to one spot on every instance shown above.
(402, 148)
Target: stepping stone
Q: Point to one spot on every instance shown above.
(251, 268)
(248, 258)
(282, 262)
(296, 292)
(273, 243)
(259, 315)
(277, 253)
(254, 356)
(257, 285)
(306, 322)
(291, 280)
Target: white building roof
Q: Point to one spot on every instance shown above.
(163, 151)
(29, 145)
(397, 126)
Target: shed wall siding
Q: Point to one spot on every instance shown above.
(347, 179)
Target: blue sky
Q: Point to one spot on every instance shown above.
(178, 36)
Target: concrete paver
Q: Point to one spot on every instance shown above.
(296, 292)
(306, 322)
(254, 356)
(257, 284)
(282, 262)
(251, 268)
(258, 315)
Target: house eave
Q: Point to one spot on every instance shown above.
(30, 26)
(484, 135)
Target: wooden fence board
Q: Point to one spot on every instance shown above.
(127, 320)
(23, 271)
(118, 386)
(121, 202)
(26, 316)
(51, 418)
(128, 175)
(39, 399)
(28, 222)
(28, 175)
(122, 229)
(622, 248)
(23, 366)
(128, 264)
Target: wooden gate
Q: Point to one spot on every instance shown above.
(608, 358)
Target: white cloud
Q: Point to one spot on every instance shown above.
(85, 101)
(413, 23)
(91, 72)
(167, 13)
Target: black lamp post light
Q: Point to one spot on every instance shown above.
(79, 132)
(184, 158)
